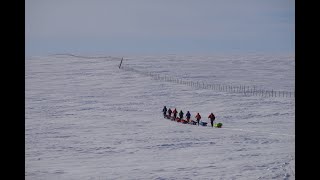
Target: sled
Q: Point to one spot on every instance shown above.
(217, 125)
(184, 121)
(203, 123)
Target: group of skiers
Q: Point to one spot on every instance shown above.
(188, 115)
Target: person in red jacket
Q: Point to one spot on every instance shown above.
(212, 118)
(198, 117)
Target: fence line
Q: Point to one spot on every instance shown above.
(85, 57)
(246, 90)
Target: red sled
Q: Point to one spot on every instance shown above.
(184, 121)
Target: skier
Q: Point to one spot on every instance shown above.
(164, 110)
(169, 112)
(181, 114)
(198, 117)
(188, 115)
(174, 113)
(212, 118)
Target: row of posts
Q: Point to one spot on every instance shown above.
(246, 90)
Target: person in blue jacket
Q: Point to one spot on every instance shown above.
(188, 115)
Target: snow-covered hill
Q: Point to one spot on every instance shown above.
(88, 119)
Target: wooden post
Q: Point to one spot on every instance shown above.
(120, 63)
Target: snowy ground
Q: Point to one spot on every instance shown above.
(88, 119)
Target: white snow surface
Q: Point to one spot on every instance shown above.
(88, 119)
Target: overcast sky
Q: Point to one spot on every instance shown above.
(159, 26)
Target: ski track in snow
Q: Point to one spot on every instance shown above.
(88, 119)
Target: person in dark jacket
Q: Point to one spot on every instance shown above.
(198, 117)
(188, 115)
(181, 114)
(212, 118)
(174, 113)
(169, 112)
(164, 110)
